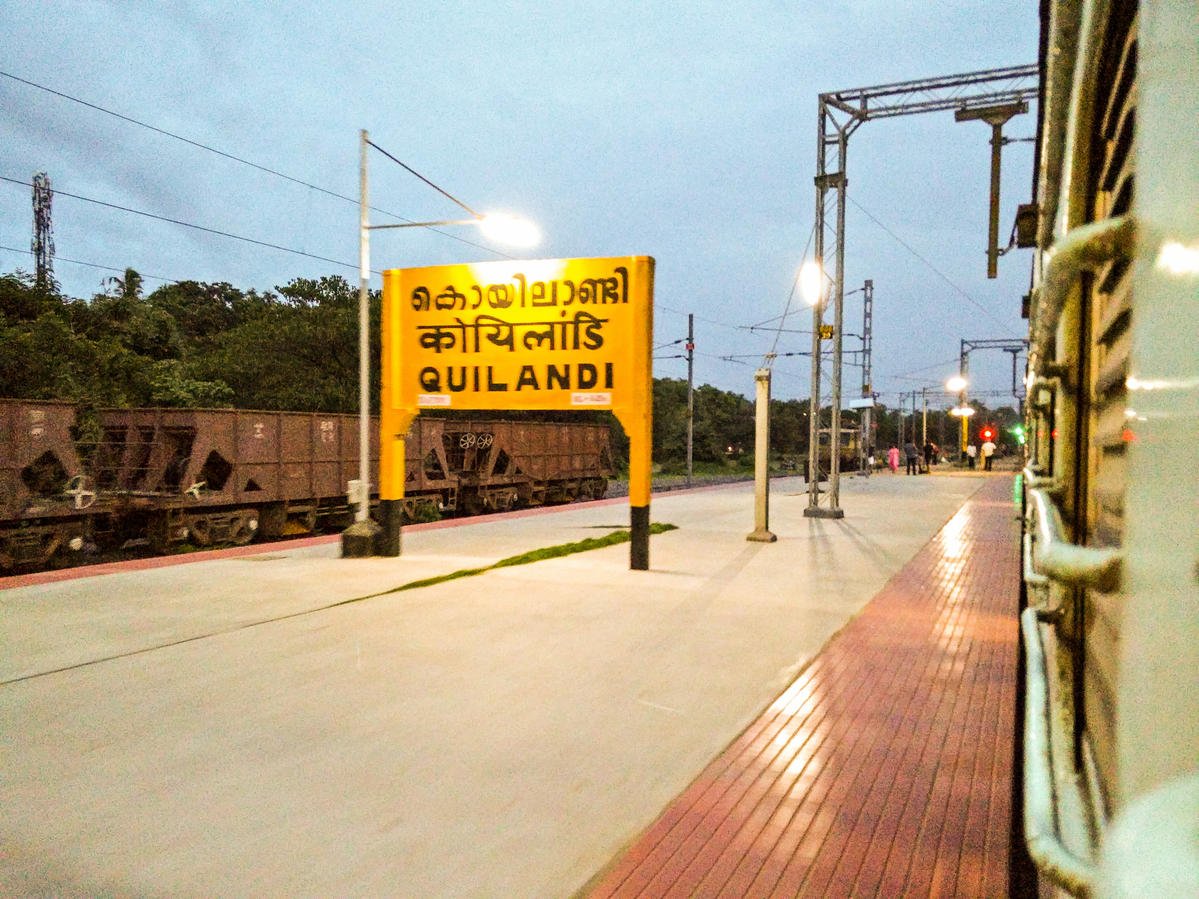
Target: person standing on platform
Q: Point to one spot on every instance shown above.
(913, 457)
(971, 454)
(988, 449)
(893, 459)
(929, 453)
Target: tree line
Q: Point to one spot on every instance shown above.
(192, 344)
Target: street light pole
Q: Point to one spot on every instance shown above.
(364, 370)
(357, 541)
(360, 538)
(924, 416)
(690, 392)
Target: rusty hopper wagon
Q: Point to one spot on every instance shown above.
(212, 477)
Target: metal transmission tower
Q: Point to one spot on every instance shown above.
(43, 230)
(987, 95)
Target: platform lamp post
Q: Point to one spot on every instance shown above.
(813, 285)
(364, 537)
(958, 384)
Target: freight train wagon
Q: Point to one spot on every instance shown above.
(1111, 537)
(70, 483)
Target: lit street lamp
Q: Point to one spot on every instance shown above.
(811, 282)
(958, 384)
(358, 539)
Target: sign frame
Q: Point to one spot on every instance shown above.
(560, 334)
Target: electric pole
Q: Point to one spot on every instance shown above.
(690, 391)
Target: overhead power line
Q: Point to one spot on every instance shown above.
(106, 268)
(163, 218)
(936, 271)
(262, 168)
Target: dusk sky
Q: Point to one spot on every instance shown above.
(681, 130)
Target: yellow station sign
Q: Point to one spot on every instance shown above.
(542, 334)
(528, 334)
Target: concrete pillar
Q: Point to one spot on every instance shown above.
(761, 532)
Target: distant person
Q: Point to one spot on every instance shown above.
(988, 449)
(893, 459)
(971, 454)
(930, 454)
(913, 457)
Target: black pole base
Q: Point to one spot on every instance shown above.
(825, 512)
(639, 532)
(391, 515)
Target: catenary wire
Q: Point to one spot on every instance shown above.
(259, 167)
(985, 311)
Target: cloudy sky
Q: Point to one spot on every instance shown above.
(681, 130)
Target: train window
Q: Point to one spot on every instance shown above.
(215, 472)
(45, 475)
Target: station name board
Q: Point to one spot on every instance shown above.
(541, 334)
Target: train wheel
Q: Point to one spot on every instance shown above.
(243, 528)
(200, 531)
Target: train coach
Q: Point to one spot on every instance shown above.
(1111, 535)
(213, 477)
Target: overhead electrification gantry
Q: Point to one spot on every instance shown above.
(992, 96)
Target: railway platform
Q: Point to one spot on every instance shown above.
(828, 712)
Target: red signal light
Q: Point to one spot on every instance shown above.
(987, 433)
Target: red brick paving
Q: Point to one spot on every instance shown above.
(885, 768)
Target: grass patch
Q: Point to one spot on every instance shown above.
(536, 555)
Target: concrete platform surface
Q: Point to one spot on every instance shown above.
(227, 727)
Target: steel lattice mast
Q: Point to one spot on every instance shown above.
(43, 231)
(986, 95)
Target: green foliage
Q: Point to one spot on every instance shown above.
(170, 385)
(195, 344)
(298, 351)
(536, 555)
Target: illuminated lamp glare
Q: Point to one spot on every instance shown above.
(811, 282)
(956, 384)
(509, 229)
(1178, 259)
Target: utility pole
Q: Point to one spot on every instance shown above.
(924, 418)
(690, 391)
(866, 440)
